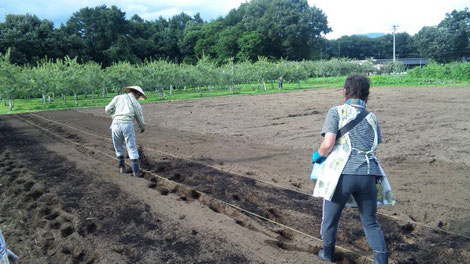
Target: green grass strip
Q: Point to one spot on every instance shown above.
(35, 104)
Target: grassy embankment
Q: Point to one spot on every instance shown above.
(35, 104)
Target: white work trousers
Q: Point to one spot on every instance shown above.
(124, 133)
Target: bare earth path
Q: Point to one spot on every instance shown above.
(62, 200)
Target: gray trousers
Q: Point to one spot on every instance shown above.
(123, 134)
(364, 191)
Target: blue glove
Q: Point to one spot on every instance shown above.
(316, 158)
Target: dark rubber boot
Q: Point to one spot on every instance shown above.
(380, 257)
(135, 168)
(327, 253)
(122, 164)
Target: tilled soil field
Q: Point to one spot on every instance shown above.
(226, 181)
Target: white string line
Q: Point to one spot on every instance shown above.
(177, 157)
(199, 192)
(265, 182)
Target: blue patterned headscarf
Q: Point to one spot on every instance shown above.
(356, 102)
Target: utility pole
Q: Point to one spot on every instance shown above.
(394, 28)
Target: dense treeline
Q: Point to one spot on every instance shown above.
(274, 29)
(62, 77)
(446, 42)
(288, 29)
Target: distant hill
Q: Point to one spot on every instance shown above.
(372, 35)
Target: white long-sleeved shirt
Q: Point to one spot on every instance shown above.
(124, 108)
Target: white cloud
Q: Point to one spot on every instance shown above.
(60, 10)
(378, 16)
(345, 17)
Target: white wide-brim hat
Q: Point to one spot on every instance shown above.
(138, 89)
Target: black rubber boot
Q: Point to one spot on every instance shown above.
(380, 257)
(122, 164)
(135, 168)
(327, 253)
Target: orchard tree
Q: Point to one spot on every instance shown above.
(9, 79)
(120, 75)
(42, 78)
(94, 78)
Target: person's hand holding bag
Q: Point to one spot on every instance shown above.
(317, 158)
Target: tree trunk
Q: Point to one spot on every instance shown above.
(171, 89)
(298, 84)
(264, 85)
(231, 88)
(93, 96)
(163, 93)
(259, 86)
(185, 88)
(76, 99)
(43, 100)
(272, 84)
(200, 91)
(103, 93)
(10, 104)
(279, 83)
(65, 99)
(49, 99)
(252, 86)
(238, 87)
(4, 102)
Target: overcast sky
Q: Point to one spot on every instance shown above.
(345, 17)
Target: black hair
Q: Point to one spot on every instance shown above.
(357, 87)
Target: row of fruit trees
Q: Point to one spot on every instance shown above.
(63, 77)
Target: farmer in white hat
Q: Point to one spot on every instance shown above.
(123, 109)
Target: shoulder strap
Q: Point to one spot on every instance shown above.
(345, 129)
(132, 103)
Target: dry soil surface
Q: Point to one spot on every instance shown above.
(227, 181)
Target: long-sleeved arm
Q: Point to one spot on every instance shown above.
(111, 106)
(139, 116)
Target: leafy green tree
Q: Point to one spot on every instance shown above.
(227, 46)
(250, 46)
(356, 47)
(103, 30)
(176, 25)
(205, 73)
(436, 43)
(141, 33)
(449, 40)
(9, 79)
(120, 75)
(42, 78)
(457, 23)
(191, 35)
(206, 44)
(288, 28)
(28, 37)
(95, 79)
